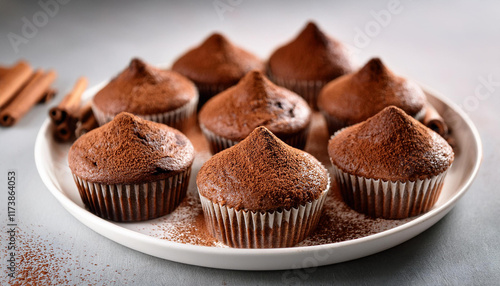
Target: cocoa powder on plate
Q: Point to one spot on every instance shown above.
(338, 222)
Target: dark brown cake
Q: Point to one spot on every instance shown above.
(262, 193)
(312, 55)
(215, 65)
(308, 62)
(131, 169)
(390, 146)
(255, 101)
(356, 97)
(130, 150)
(395, 148)
(144, 90)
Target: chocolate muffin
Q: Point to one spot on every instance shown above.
(157, 95)
(391, 165)
(356, 97)
(255, 101)
(131, 169)
(262, 193)
(308, 62)
(216, 65)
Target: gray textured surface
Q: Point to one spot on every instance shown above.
(448, 45)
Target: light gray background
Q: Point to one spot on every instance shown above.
(448, 45)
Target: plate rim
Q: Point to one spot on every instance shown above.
(112, 230)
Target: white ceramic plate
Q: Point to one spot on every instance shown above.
(51, 161)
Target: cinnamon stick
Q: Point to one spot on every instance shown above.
(48, 95)
(77, 124)
(64, 131)
(12, 80)
(70, 103)
(85, 126)
(434, 121)
(3, 71)
(85, 112)
(27, 97)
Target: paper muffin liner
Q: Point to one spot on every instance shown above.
(389, 199)
(218, 143)
(133, 202)
(247, 229)
(308, 89)
(176, 118)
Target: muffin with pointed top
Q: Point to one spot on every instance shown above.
(216, 65)
(157, 95)
(131, 169)
(262, 193)
(356, 97)
(391, 165)
(255, 101)
(308, 62)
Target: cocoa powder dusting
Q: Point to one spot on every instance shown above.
(216, 61)
(144, 89)
(142, 151)
(255, 101)
(390, 146)
(186, 224)
(340, 223)
(43, 261)
(311, 55)
(357, 96)
(262, 173)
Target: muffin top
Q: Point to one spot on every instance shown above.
(255, 101)
(358, 96)
(143, 89)
(130, 150)
(261, 173)
(312, 55)
(390, 146)
(216, 61)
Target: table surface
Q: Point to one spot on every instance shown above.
(451, 46)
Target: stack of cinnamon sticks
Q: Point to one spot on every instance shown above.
(21, 88)
(70, 118)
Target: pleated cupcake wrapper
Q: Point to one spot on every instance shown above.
(246, 229)
(218, 143)
(176, 118)
(133, 202)
(389, 199)
(308, 89)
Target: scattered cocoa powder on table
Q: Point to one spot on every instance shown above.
(185, 225)
(41, 260)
